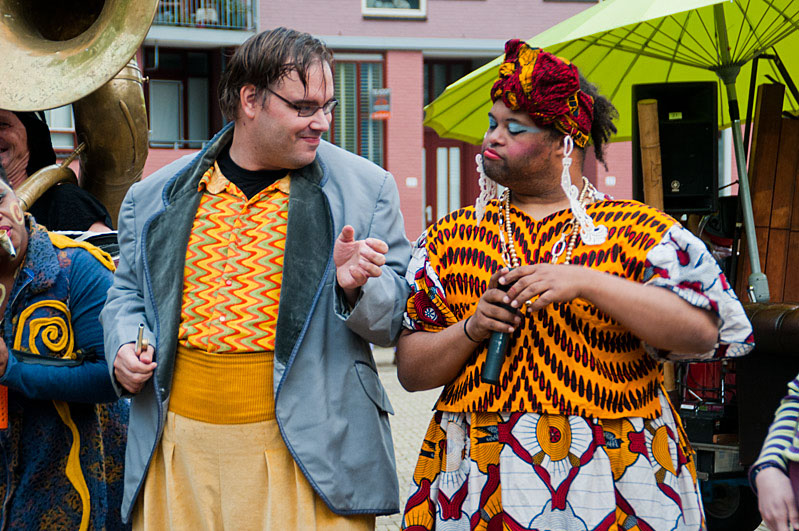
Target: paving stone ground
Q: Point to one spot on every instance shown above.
(408, 426)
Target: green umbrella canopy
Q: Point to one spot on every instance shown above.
(620, 43)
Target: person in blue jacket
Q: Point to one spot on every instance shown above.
(62, 444)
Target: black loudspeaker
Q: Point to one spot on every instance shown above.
(688, 126)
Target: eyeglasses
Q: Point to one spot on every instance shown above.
(305, 110)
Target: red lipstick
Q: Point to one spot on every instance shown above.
(491, 154)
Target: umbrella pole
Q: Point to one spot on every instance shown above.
(758, 283)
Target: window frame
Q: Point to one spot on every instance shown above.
(419, 13)
(332, 133)
(449, 64)
(60, 151)
(182, 75)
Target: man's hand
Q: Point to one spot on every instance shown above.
(132, 369)
(776, 499)
(357, 261)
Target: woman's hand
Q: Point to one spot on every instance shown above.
(491, 315)
(426, 360)
(544, 284)
(649, 312)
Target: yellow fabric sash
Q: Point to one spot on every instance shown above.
(223, 388)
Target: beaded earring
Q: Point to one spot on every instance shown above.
(590, 234)
(488, 190)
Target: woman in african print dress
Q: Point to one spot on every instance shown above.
(578, 434)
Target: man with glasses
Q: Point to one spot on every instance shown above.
(261, 270)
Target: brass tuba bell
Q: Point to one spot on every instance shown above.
(56, 52)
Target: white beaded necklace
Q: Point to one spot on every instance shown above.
(581, 223)
(509, 254)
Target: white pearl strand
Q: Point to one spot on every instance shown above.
(509, 254)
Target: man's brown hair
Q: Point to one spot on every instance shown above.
(264, 60)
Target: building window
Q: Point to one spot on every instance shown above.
(166, 112)
(62, 130)
(179, 97)
(352, 127)
(394, 8)
(448, 180)
(438, 74)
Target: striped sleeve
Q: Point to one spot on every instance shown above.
(782, 439)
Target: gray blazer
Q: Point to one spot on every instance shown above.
(330, 405)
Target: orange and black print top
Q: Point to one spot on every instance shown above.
(568, 358)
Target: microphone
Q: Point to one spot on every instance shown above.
(497, 349)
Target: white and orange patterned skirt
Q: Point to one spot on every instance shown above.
(525, 471)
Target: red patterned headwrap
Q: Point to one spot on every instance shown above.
(547, 88)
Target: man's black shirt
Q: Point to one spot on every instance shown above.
(248, 181)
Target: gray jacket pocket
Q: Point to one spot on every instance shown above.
(374, 389)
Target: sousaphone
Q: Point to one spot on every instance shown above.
(56, 52)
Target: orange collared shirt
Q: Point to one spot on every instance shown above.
(234, 267)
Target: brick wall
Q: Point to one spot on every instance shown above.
(469, 19)
(404, 134)
(157, 158)
(617, 179)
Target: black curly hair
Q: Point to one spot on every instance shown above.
(602, 128)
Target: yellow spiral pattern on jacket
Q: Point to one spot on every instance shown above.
(55, 332)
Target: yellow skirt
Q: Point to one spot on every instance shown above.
(236, 477)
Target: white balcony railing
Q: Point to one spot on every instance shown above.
(221, 14)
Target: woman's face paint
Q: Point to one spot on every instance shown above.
(520, 155)
(12, 222)
(16, 213)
